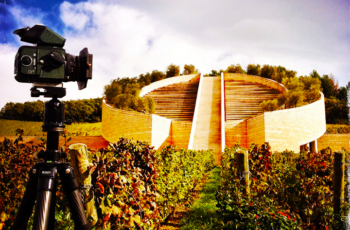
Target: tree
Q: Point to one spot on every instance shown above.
(268, 71)
(312, 88)
(269, 105)
(158, 75)
(190, 69)
(295, 92)
(336, 111)
(329, 86)
(214, 73)
(342, 94)
(314, 74)
(235, 69)
(253, 69)
(173, 70)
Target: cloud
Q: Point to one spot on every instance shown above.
(24, 19)
(128, 38)
(73, 16)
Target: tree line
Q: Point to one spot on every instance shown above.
(301, 90)
(86, 110)
(123, 93)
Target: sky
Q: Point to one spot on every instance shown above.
(133, 37)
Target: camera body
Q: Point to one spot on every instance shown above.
(47, 61)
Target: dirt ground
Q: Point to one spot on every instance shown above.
(182, 211)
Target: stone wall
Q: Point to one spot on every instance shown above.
(256, 130)
(160, 130)
(236, 133)
(118, 123)
(180, 133)
(290, 128)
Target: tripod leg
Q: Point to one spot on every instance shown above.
(70, 187)
(45, 192)
(28, 200)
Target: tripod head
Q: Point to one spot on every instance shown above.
(54, 121)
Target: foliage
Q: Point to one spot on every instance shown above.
(131, 182)
(301, 91)
(125, 191)
(33, 128)
(86, 110)
(202, 214)
(190, 69)
(288, 191)
(336, 111)
(334, 129)
(172, 71)
(329, 85)
(216, 73)
(253, 69)
(311, 88)
(30, 111)
(269, 105)
(342, 94)
(179, 172)
(277, 73)
(235, 69)
(123, 93)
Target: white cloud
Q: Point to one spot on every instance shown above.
(134, 37)
(72, 16)
(24, 18)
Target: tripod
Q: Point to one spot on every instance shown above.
(42, 184)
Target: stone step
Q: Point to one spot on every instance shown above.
(176, 101)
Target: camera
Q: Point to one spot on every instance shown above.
(46, 64)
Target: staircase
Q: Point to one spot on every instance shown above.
(208, 126)
(176, 101)
(243, 99)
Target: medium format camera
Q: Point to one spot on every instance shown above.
(47, 63)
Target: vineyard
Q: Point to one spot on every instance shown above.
(136, 187)
(33, 128)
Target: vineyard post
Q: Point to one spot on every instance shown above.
(338, 179)
(80, 161)
(243, 168)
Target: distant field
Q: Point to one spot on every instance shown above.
(338, 129)
(32, 128)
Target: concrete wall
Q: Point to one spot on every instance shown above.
(255, 79)
(236, 133)
(195, 114)
(223, 113)
(160, 130)
(180, 133)
(334, 141)
(256, 130)
(168, 81)
(290, 128)
(118, 123)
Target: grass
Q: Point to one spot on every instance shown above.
(203, 212)
(33, 128)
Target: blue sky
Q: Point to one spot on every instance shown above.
(128, 38)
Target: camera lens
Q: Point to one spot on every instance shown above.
(26, 60)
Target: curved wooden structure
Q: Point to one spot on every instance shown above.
(199, 112)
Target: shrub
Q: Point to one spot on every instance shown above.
(287, 191)
(135, 187)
